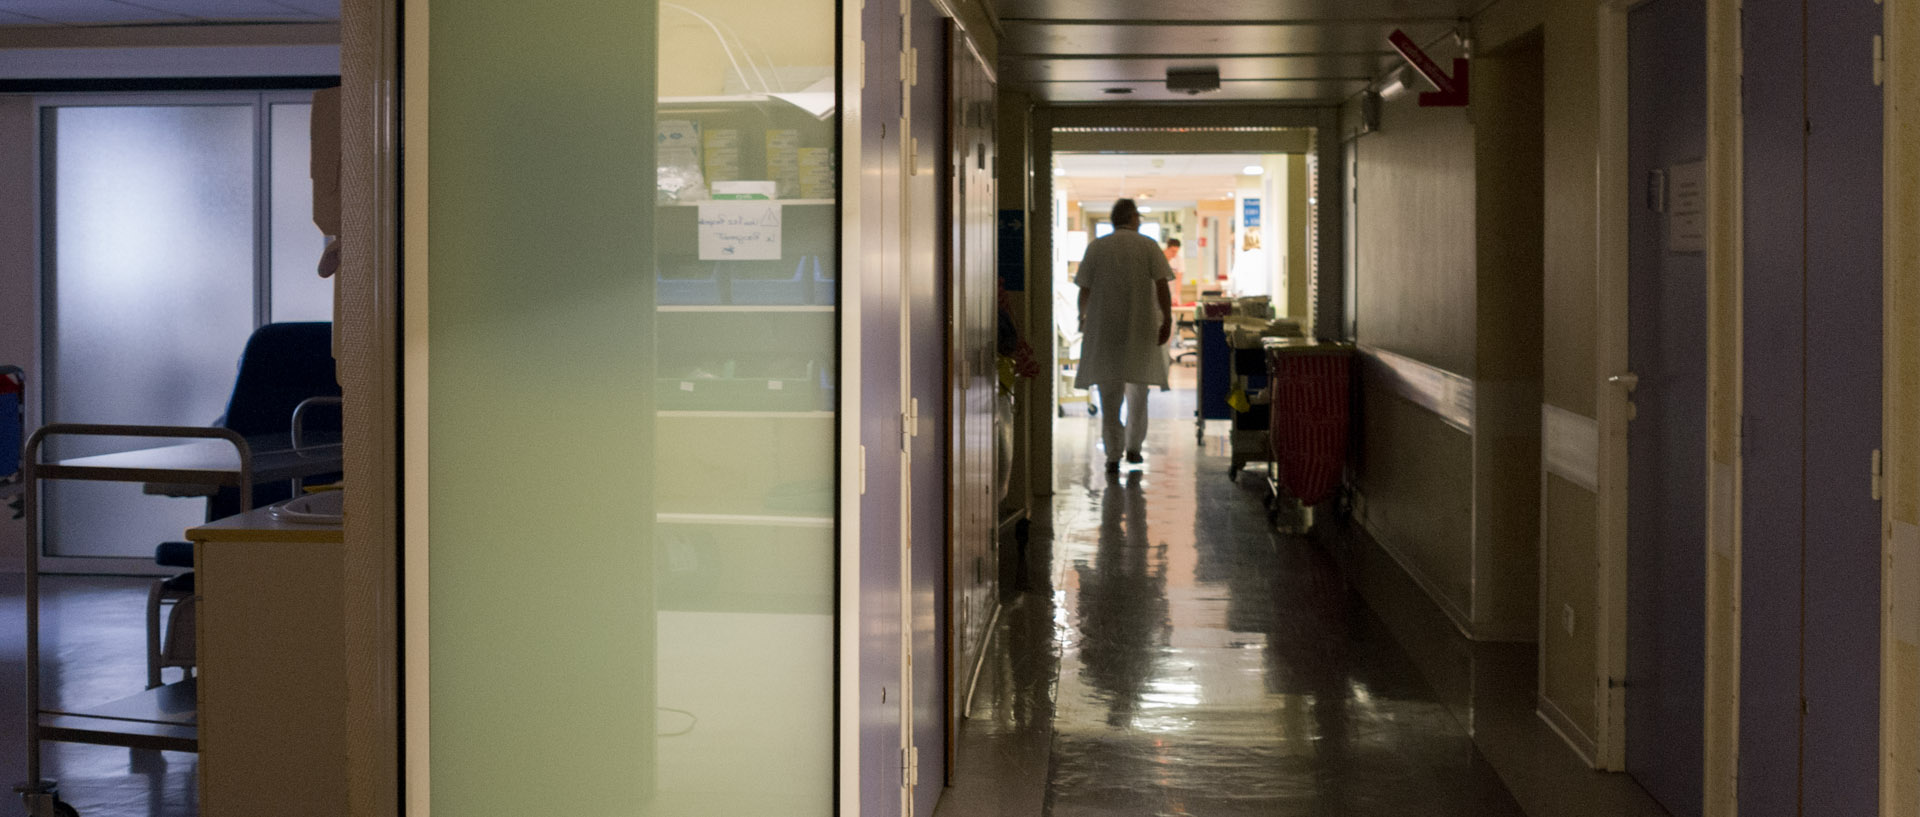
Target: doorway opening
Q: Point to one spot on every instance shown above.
(1233, 226)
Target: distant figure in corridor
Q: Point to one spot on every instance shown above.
(1126, 318)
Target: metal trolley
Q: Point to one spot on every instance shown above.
(162, 718)
(1215, 378)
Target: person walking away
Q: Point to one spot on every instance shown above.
(1126, 318)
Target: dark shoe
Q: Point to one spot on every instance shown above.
(1135, 458)
(1113, 466)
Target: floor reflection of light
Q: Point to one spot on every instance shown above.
(1360, 692)
(1160, 725)
(1168, 699)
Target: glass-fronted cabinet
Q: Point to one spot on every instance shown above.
(745, 265)
(634, 372)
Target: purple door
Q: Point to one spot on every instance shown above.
(1666, 454)
(1810, 570)
(1773, 516)
(1843, 349)
(880, 373)
(926, 290)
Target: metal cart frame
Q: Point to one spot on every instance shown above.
(161, 718)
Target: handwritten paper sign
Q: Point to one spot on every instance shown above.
(1687, 216)
(739, 231)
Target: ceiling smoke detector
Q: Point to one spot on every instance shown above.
(1193, 81)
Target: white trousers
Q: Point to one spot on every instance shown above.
(1113, 433)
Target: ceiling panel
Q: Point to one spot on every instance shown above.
(85, 12)
(1302, 91)
(235, 10)
(329, 9)
(1158, 37)
(149, 12)
(1243, 9)
(1307, 51)
(1154, 69)
(1075, 165)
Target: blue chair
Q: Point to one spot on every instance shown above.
(283, 365)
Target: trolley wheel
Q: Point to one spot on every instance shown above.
(1092, 410)
(1060, 410)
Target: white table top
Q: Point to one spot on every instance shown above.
(206, 462)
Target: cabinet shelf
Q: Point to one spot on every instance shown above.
(784, 202)
(807, 308)
(743, 520)
(747, 415)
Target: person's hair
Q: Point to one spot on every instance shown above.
(1173, 242)
(1124, 213)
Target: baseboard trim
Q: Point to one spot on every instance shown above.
(1461, 620)
(1557, 720)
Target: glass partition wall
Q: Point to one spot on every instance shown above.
(632, 432)
(746, 260)
(172, 225)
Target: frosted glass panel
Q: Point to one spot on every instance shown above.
(150, 263)
(667, 411)
(299, 293)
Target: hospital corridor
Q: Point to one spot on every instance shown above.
(728, 408)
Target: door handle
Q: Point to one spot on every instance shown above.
(1628, 379)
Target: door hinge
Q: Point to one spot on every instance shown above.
(909, 425)
(1879, 60)
(1879, 475)
(910, 766)
(863, 470)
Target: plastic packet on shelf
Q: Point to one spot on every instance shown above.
(677, 142)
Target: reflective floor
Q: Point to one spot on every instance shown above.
(93, 640)
(1164, 652)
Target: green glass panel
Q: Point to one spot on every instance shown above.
(632, 394)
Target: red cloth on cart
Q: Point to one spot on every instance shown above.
(1309, 429)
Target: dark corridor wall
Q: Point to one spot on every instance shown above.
(1449, 236)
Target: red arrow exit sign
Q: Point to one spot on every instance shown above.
(1453, 89)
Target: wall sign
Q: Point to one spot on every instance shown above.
(1250, 212)
(1013, 250)
(1453, 89)
(1687, 208)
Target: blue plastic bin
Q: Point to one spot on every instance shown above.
(694, 283)
(765, 283)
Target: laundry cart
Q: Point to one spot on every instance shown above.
(1247, 395)
(1310, 387)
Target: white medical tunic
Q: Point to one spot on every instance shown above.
(1119, 273)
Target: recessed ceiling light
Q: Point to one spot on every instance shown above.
(1118, 90)
(1253, 170)
(1146, 209)
(1059, 171)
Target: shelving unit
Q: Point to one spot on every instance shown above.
(749, 309)
(746, 370)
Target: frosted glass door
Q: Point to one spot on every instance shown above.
(149, 296)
